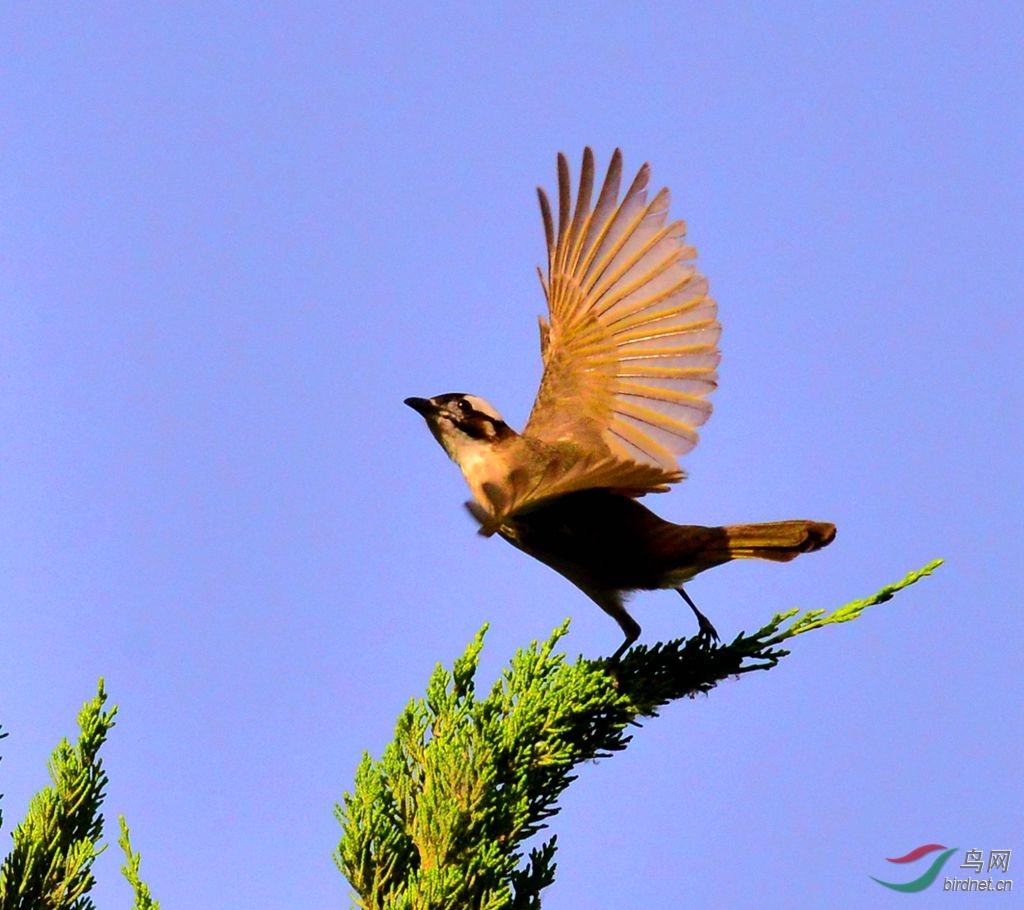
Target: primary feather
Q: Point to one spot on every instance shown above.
(631, 349)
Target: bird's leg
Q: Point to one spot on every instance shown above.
(611, 603)
(630, 638)
(707, 631)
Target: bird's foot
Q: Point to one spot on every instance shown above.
(706, 632)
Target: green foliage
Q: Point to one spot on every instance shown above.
(50, 864)
(143, 899)
(466, 780)
(440, 821)
(686, 667)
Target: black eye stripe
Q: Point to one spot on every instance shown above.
(478, 426)
(462, 407)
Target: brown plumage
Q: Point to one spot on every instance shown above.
(608, 545)
(630, 355)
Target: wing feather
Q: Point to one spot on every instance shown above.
(631, 347)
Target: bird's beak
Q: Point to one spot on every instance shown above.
(422, 406)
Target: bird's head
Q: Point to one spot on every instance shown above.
(467, 427)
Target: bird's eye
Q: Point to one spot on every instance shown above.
(465, 406)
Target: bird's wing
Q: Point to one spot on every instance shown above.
(631, 349)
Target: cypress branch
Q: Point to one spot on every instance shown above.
(50, 865)
(441, 819)
(130, 870)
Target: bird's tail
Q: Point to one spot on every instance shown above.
(779, 541)
(689, 549)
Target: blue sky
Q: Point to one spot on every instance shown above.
(236, 236)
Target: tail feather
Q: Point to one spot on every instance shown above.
(779, 541)
(686, 550)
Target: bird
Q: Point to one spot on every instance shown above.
(630, 352)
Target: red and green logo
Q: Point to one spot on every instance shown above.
(919, 884)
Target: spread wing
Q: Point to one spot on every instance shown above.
(631, 350)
